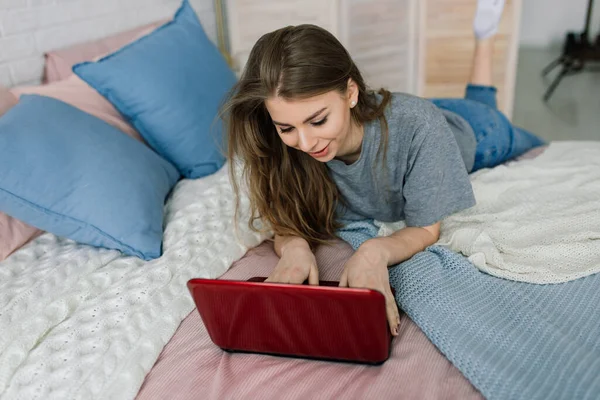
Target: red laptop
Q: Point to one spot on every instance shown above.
(321, 322)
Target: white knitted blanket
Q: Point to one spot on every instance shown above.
(78, 322)
(535, 220)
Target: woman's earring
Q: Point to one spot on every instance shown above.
(352, 104)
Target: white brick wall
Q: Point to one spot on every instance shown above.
(29, 28)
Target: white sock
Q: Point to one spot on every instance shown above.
(487, 18)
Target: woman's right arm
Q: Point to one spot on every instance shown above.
(296, 263)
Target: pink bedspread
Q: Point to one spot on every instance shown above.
(192, 367)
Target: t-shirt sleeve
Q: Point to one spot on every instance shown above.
(436, 182)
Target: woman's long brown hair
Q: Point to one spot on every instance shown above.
(289, 191)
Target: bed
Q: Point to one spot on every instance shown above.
(82, 322)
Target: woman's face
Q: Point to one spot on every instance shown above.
(319, 126)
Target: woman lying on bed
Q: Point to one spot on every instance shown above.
(320, 148)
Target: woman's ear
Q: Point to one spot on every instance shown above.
(352, 93)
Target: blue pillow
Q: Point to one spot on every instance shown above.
(71, 174)
(170, 85)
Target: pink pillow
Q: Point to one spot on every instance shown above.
(60, 62)
(533, 153)
(13, 233)
(76, 92)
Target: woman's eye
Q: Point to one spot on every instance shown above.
(321, 122)
(285, 130)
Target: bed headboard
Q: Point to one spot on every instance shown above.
(29, 28)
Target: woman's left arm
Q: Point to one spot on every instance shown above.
(402, 244)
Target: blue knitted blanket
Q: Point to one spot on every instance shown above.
(511, 340)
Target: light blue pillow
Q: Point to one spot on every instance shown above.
(170, 85)
(71, 174)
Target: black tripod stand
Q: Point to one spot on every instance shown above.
(577, 51)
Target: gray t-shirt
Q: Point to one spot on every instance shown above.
(425, 176)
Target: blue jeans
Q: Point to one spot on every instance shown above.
(497, 139)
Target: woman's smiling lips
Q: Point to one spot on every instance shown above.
(320, 153)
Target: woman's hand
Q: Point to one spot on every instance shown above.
(297, 263)
(368, 268)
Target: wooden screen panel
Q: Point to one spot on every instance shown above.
(380, 36)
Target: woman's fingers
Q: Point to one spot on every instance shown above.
(392, 314)
(392, 311)
(313, 276)
(273, 277)
(294, 275)
(294, 267)
(344, 279)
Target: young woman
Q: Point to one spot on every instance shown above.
(319, 148)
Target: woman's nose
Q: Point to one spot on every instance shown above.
(306, 143)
